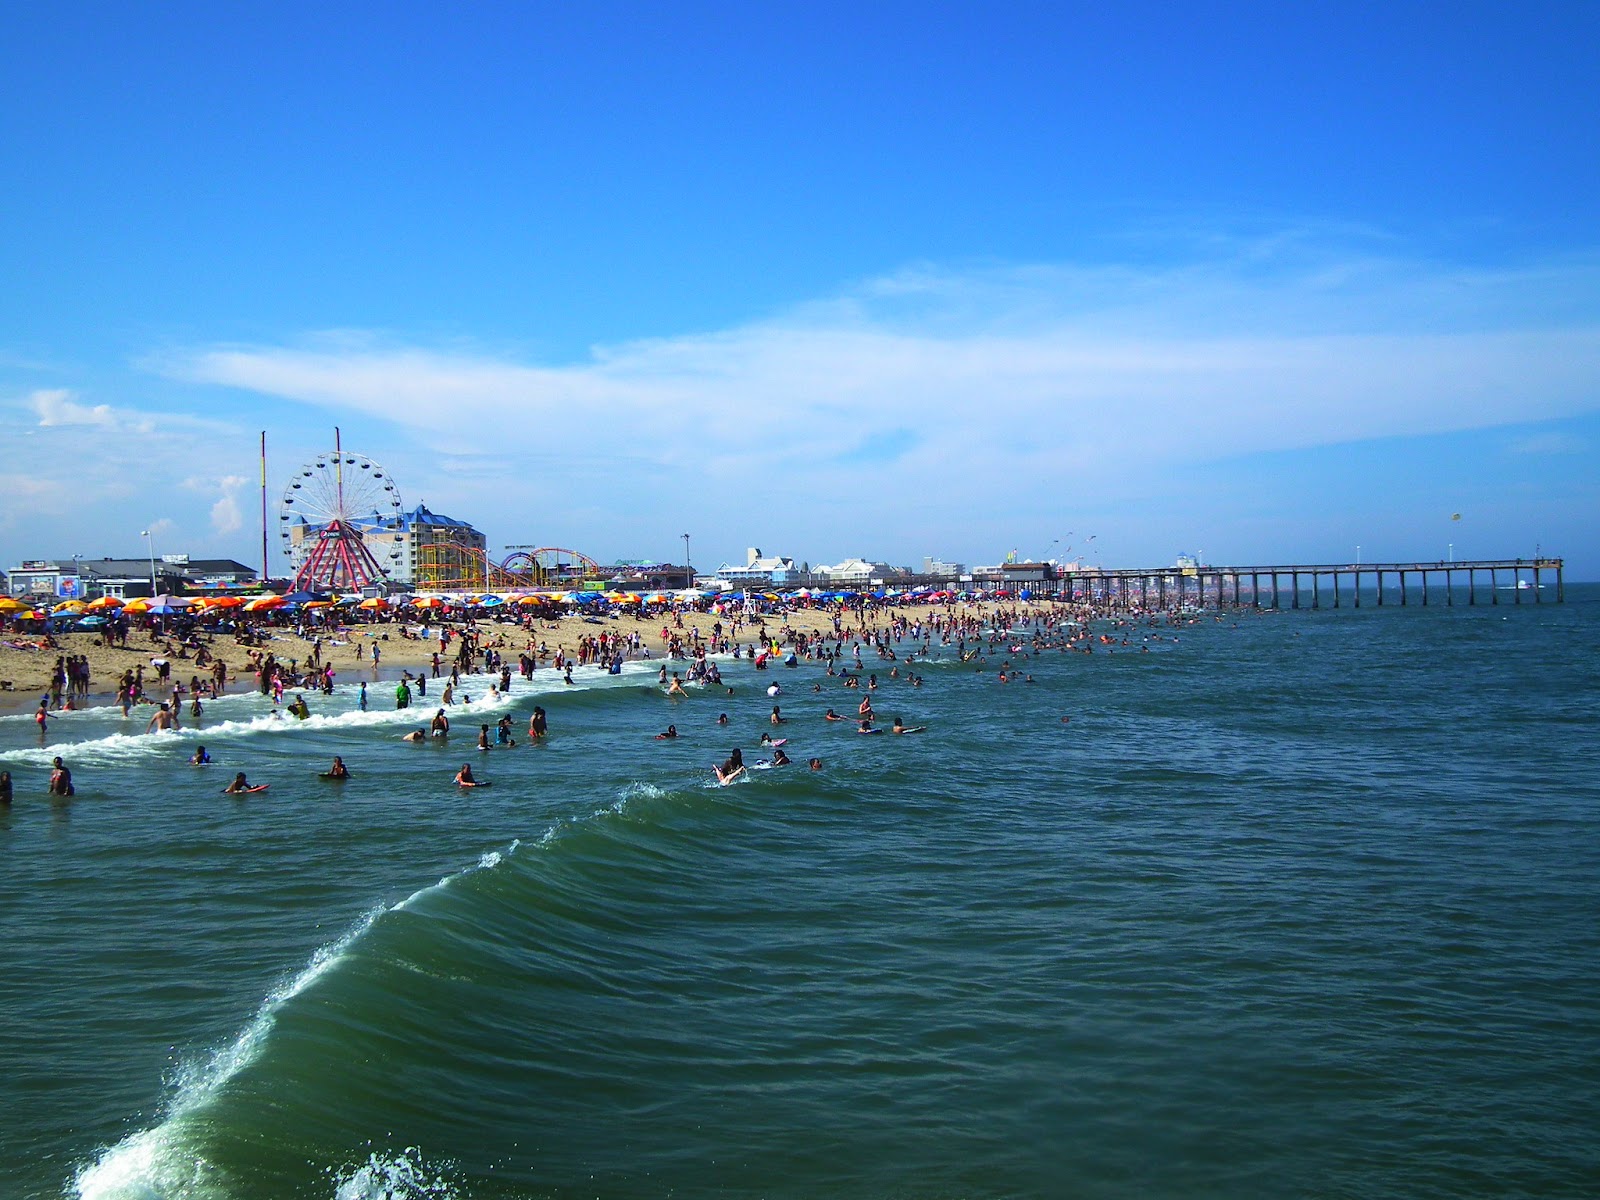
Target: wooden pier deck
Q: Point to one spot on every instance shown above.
(1298, 585)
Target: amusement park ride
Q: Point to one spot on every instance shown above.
(338, 502)
(447, 565)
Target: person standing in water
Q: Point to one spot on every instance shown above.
(60, 779)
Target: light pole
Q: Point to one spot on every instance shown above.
(688, 571)
(1358, 556)
(150, 544)
(1452, 552)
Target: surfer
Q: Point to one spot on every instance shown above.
(240, 785)
(900, 726)
(464, 777)
(337, 771)
(732, 767)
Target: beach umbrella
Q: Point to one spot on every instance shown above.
(225, 602)
(427, 602)
(8, 605)
(264, 603)
(374, 603)
(90, 623)
(70, 606)
(105, 602)
(317, 604)
(141, 605)
(492, 601)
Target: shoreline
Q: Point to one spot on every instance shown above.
(29, 671)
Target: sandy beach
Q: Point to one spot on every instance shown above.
(27, 671)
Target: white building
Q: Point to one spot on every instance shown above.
(762, 569)
(854, 572)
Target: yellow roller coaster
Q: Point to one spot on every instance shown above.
(449, 566)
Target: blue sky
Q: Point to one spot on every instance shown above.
(1265, 281)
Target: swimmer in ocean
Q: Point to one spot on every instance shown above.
(337, 771)
(465, 777)
(671, 732)
(731, 768)
(200, 758)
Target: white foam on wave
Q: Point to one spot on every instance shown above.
(122, 747)
(154, 1164)
(151, 1164)
(403, 1176)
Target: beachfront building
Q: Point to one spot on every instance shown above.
(419, 548)
(937, 568)
(765, 570)
(80, 578)
(642, 575)
(1010, 576)
(859, 572)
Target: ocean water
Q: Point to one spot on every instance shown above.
(1298, 904)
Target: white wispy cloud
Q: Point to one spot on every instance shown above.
(57, 407)
(1068, 367)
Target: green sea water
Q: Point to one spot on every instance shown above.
(1296, 904)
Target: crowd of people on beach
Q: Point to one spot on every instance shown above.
(858, 643)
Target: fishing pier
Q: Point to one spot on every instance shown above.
(1302, 585)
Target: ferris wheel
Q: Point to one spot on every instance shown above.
(331, 508)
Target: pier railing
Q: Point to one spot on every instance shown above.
(1275, 584)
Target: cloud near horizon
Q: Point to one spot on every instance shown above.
(1053, 367)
